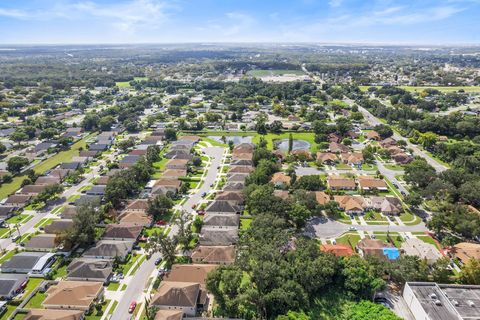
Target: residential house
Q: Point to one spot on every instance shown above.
(337, 147)
(240, 169)
(174, 173)
(128, 161)
(7, 212)
(102, 181)
(327, 158)
(77, 295)
(351, 204)
(85, 269)
(214, 254)
(373, 135)
(96, 190)
(138, 205)
(32, 190)
(33, 263)
(321, 197)
(221, 220)
(402, 158)
(388, 205)
(11, 285)
(218, 237)
(42, 242)
(109, 249)
(338, 250)
(425, 251)
(177, 164)
(233, 186)
(377, 248)
(368, 183)
(280, 179)
(179, 154)
(139, 218)
(352, 158)
(340, 183)
(59, 226)
(181, 296)
(233, 197)
(53, 314)
(465, 251)
(193, 273)
(221, 207)
(282, 194)
(69, 212)
(122, 232)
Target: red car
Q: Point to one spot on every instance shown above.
(161, 222)
(132, 307)
(201, 212)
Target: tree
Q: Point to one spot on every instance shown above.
(290, 143)
(413, 199)
(197, 161)
(165, 245)
(184, 235)
(367, 310)
(153, 154)
(83, 231)
(49, 192)
(360, 277)
(419, 173)
(105, 123)
(310, 183)
(124, 145)
(15, 164)
(159, 206)
(470, 273)
(19, 136)
(2, 148)
(470, 192)
(170, 134)
(441, 270)
(276, 126)
(408, 268)
(383, 130)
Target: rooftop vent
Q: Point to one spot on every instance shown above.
(438, 302)
(455, 303)
(433, 296)
(471, 303)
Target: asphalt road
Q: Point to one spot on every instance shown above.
(134, 291)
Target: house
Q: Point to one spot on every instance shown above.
(221, 207)
(47, 180)
(388, 142)
(402, 158)
(234, 197)
(214, 254)
(175, 173)
(221, 220)
(77, 295)
(177, 164)
(337, 147)
(128, 161)
(421, 249)
(179, 154)
(85, 269)
(96, 190)
(327, 158)
(301, 154)
(88, 153)
(42, 242)
(352, 158)
(242, 162)
(465, 251)
(43, 146)
(321, 197)
(386, 205)
(218, 237)
(240, 169)
(122, 232)
(170, 182)
(11, 285)
(337, 249)
(194, 273)
(70, 165)
(282, 194)
(69, 212)
(59, 226)
(53, 314)
(373, 135)
(33, 263)
(181, 296)
(97, 147)
(102, 181)
(393, 150)
(7, 212)
(88, 199)
(234, 186)
(351, 204)
(280, 179)
(237, 177)
(242, 156)
(32, 190)
(193, 139)
(139, 218)
(243, 148)
(333, 137)
(109, 249)
(368, 183)
(138, 205)
(340, 183)
(59, 173)
(377, 248)
(137, 152)
(165, 190)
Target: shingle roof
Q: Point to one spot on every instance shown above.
(90, 268)
(52, 314)
(42, 241)
(194, 273)
(221, 206)
(58, 226)
(214, 254)
(169, 315)
(218, 237)
(23, 260)
(110, 248)
(73, 293)
(179, 294)
(122, 231)
(10, 282)
(222, 220)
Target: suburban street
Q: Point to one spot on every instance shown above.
(137, 284)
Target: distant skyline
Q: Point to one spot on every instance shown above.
(431, 22)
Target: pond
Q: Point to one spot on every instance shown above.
(235, 139)
(282, 144)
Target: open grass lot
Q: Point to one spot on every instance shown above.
(8, 188)
(270, 137)
(274, 72)
(468, 89)
(394, 236)
(349, 239)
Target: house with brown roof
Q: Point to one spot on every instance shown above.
(387, 205)
(221, 220)
(218, 237)
(138, 205)
(327, 157)
(465, 251)
(377, 248)
(321, 197)
(369, 183)
(52, 314)
(243, 148)
(337, 147)
(174, 173)
(47, 180)
(69, 212)
(59, 226)
(242, 156)
(373, 135)
(280, 179)
(17, 200)
(338, 250)
(240, 169)
(402, 158)
(122, 232)
(351, 204)
(169, 182)
(33, 190)
(177, 164)
(138, 218)
(77, 295)
(234, 197)
(352, 158)
(388, 142)
(169, 315)
(193, 273)
(181, 296)
(340, 183)
(214, 254)
(193, 139)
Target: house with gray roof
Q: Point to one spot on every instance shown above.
(222, 221)
(11, 285)
(109, 249)
(28, 262)
(218, 237)
(88, 269)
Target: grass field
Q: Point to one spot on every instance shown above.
(126, 84)
(275, 72)
(468, 89)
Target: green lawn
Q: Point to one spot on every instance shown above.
(31, 285)
(97, 316)
(113, 286)
(123, 84)
(394, 167)
(44, 222)
(18, 218)
(274, 72)
(429, 240)
(349, 239)
(214, 143)
(36, 301)
(7, 256)
(8, 312)
(112, 308)
(160, 165)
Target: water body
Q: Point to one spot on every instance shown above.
(282, 144)
(234, 139)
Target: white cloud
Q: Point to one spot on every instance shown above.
(13, 13)
(335, 3)
(237, 22)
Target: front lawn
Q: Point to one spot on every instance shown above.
(349, 239)
(36, 301)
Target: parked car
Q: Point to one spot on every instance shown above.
(132, 307)
(160, 222)
(158, 261)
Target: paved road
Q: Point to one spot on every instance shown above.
(134, 291)
(375, 121)
(327, 228)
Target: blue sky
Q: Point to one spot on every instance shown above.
(160, 21)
